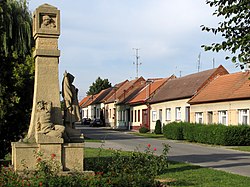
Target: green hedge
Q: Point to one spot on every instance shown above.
(209, 134)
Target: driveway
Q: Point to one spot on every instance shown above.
(216, 157)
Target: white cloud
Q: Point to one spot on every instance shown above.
(97, 38)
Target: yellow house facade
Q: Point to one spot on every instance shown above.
(227, 112)
(225, 100)
(170, 102)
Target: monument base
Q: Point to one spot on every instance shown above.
(69, 155)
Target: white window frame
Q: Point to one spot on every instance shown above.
(199, 117)
(243, 113)
(223, 115)
(168, 114)
(160, 115)
(178, 113)
(154, 115)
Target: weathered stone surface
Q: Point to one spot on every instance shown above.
(44, 139)
(73, 150)
(23, 155)
(46, 56)
(45, 128)
(69, 155)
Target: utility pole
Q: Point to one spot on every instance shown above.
(213, 63)
(137, 61)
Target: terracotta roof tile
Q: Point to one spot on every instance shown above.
(101, 95)
(186, 86)
(119, 93)
(86, 101)
(227, 87)
(131, 90)
(148, 90)
(111, 94)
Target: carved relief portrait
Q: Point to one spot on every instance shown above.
(48, 22)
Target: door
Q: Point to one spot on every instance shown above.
(145, 118)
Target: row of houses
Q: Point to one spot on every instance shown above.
(211, 96)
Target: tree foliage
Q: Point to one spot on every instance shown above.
(17, 71)
(98, 85)
(235, 29)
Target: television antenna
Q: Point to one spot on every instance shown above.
(137, 64)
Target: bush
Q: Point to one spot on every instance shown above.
(209, 134)
(173, 131)
(136, 169)
(158, 127)
(143, 129)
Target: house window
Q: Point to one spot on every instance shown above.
(223, 117)
(168, 114)
(178, 113)
(114, 114)
(244, 116)
(154, 116)
(210, 117)
(107, 115)
(139, 116)
(132, 116)
(198, 117)
(97, 113)
(160, 115)
(120, 115)
(135, 115)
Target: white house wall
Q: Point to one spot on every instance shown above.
(110, 114)
(122, 113)
(172, 105)
(135, 121)
(231, 107)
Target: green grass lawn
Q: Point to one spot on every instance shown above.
(182, 174)
(242, 148)
(86, 139)
(149, 135)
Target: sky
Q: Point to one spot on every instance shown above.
(99, 37)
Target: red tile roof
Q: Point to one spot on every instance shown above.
(84, 102)
(227, 87)
(148, 90)
(112, 92)
(131, 90)
(125, 90)
(187, 86)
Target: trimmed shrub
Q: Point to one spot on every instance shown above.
(209, 134)
(173, 131)
(143, 129)
(158, 127)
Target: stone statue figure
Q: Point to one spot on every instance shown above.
(70, 96)
(44, 124)
(48, 22)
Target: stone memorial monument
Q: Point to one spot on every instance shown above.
(46, 131)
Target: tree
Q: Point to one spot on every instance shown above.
(17, 71)
(158, 127)
(98, 85)
(235, 29)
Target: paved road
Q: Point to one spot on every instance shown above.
(208, 156)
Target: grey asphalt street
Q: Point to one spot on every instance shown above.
(220, 158)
